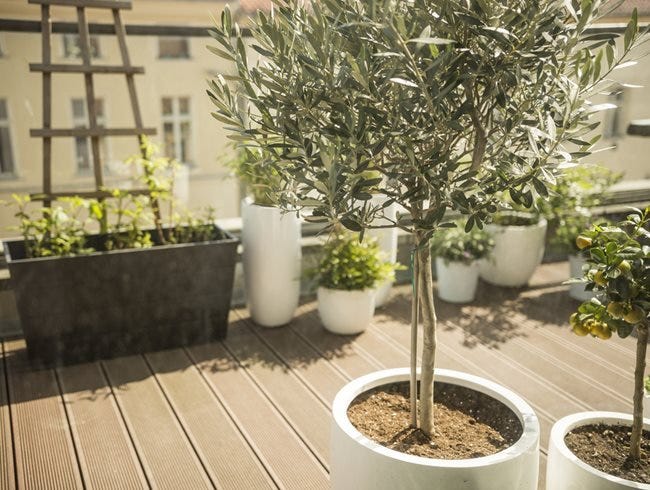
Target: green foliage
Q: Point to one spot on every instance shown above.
(63, 230)
(458, 245)
(513, 218)
(647, 384)
(568, 208)
(619, 272)
(349, 264)
(258, 175)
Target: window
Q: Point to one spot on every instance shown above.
(173, 47)
(177, 128)
(6, 152)
(83, 152)
(613, 119)
(72, 47)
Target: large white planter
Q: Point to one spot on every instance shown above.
(565, 471)
(346, 312)
(361, 464)
(518, 250)
(271, 258)
(387, 241)
(577, 291)
(457, 281)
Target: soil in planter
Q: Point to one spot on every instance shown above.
(606, 448)
(467, 424)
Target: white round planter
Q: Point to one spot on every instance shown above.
(271, 258)
(577, 291)
(518, 250)
(646, 405)
(457, 281)
(387, 241)
(361, 464)
(565, 471)
(346, 312)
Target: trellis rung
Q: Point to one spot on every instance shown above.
(98, 4)
(67, 68)
(90, 132)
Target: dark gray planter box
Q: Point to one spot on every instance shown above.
(108, 304)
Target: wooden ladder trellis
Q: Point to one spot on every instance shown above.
(93, 131)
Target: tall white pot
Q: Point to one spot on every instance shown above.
(577, 291)
(387, 241)
(361, 464)
(564, 471)
(518, 250)
(271, 260)
(457, 281)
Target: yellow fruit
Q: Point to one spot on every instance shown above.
(573, 320)
(634, 316)
(624, 267)
(600, 279)
(583, 242)
(580, 329)
(616, 309)
(601, 330)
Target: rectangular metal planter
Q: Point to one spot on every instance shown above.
(107, 304)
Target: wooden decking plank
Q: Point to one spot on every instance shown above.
(223, 450)
(106, 454)
(44, 450)
(169, 461)
(306, 413)
(292, 464)
(7, 470)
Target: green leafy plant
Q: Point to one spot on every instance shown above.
(647, 384)
(619, 273)
(452, 103)
(350, 265)
(507, 218)
(257, 173)
(457, 245)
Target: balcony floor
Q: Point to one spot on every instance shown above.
(252, 412)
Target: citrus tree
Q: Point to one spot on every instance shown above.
(619, 272)
(436, 106)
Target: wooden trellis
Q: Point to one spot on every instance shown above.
(93, 131)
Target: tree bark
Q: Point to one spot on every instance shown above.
(415, 314)
(429, 322)
(639, 369)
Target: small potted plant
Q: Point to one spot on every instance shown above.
(347, 275)
(619, 274)
(458, 254)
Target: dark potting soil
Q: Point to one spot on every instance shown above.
(467, 424)
(606, 448)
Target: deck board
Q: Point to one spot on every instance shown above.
(106, 454)
(168, 459)
(252, 411)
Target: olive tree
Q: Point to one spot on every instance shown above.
(436, 105)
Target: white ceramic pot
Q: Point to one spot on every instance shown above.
(646, 406)
(271, 258)
(577, 291)
(361, 464)
(387, 241)
(346, 312)
(457, 281)
(518, 250)
(564, 471)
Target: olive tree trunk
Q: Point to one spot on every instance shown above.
(429, 322)
(639, 369)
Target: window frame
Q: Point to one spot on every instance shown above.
(176, 119)
(83, 122)
(6, 123)
(188, 54)
(74, 36)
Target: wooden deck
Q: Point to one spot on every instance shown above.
(253, 412)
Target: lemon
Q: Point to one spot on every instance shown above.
(600, 279)
(583, 242)
(624, 267)
(634, 316)
(601, 330)
(616, 309)
(580, 329)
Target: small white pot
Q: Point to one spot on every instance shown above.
(518, 250)
(387, 241)
(271, 258)
(361, 464)
(457, 281)
(346, 312)
(646, 405)
(564, 471)
(577, 291)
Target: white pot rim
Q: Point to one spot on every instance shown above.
(541, 223)
(570, 422)
(527, 417)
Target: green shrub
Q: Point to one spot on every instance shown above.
(457, 245)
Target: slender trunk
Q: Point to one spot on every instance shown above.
(415, 308)
(639, 369)
(429, 322)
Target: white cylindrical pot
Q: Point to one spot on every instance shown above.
(346, 312)
(518, 250)
(577, 291)
(564, 471)
(457, 281)
(387, 241)
(271, 258)
(646, 405)
(361, 464)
